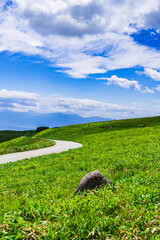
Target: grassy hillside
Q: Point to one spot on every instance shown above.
(77, 132)
(36, 195)
(23, 144)
(8, 135)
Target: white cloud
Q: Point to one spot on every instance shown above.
(125, 83)
(154, 74)
(158, 88)
(140, 73)
(17, 94)
(80, 37)
(19, 101)
(148, 90)
(153, 19)
(122, 82)
(82, 107)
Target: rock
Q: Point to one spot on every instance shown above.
(92, 180)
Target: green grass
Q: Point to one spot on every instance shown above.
(23, 144)
(37, 196)
(77, 132)
(8, 135)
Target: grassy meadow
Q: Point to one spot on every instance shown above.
(22, 144)
(37, 195)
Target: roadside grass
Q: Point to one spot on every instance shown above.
(37, 195)
(24, 144)
(8, 134)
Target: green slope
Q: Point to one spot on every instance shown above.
(8, 134)
(36, 196)
(21, 144)
(77, 132)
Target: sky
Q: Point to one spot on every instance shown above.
(86, 57)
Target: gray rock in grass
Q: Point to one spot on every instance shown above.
(92, 180)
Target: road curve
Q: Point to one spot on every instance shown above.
(60, 146)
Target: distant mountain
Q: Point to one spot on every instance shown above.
(62, 119)
(23, 121)
(10, 120)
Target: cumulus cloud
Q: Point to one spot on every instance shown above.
(152, 73)
(125, 83)
(122, 82)
(153, 19)
(4, 93)
(79, 37)
(9, 100)
(69, 20)
(158, 88)
(148, 90)
(85, 17)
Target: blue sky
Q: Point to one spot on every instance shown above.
(84, 57)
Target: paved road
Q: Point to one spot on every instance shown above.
(60, 146)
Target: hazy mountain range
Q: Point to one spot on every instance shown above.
(24, 121)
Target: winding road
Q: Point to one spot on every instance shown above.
(60, 146)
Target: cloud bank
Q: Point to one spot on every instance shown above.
(80, 37)
(16, 101)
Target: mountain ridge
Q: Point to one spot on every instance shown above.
(26, 121)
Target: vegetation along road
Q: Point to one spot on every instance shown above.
(37, 198)
(59, 147)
